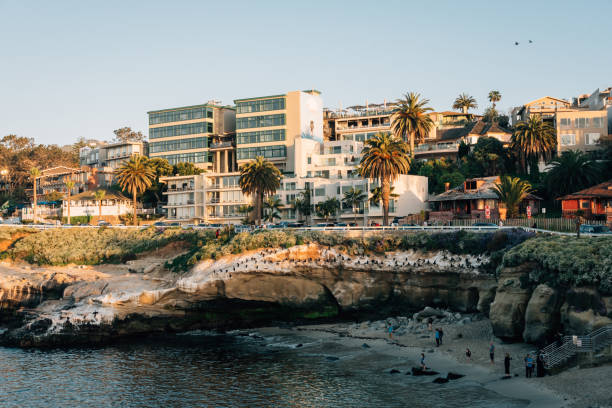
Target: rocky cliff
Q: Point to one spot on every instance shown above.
(64, 305)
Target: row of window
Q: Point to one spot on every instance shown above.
(180, 130)
(275, 135)
(179, 115)
(183, 144)
(260, 121)
(261, 105)
(589, 139)
(247, 153)
(197, 157)
(320, 192)
(583, 122)
(359, 137)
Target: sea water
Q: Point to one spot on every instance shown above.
(204, 370)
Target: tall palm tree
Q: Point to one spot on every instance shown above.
(376, 195)
(384, 157)
(258, 178)
(99, 196)
(511, 191)
(69, 187)
(533, 139)
(272, 207)
(465, 102)
(135, 176)
(34, 175)
(302, 204)
(353, 198)
(327, 208)
(494, 97)
(572, 171)
(410, 120)
(245, 210)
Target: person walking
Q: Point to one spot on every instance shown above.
(437, 338)
(390, 332)
(540, 365)
(468, 354)
(507, 364)
(492, 353)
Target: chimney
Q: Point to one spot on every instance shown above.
(446, 186)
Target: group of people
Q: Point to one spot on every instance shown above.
(531, 364)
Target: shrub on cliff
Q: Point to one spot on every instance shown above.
(566, 261)
(93, 246)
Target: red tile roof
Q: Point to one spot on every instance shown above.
(603, 190)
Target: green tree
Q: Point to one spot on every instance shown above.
(463, 150)
(302, 204)
(384, 158)
(353, 198)
(533, 139)
(410, 120)
(327, 208)
(491, 156)
(135, 176)
(161, 168)
(99, 196)
(126, 134)
(494, 97)
(69, 186)
(245, 210)
(376, 195)
(571, 172)
(490, 115)
(272, 207)
(258, 178)
(186, 169)
(34, 176)
(511, 191)
(465, 102)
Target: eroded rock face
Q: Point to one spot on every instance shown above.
(542, 315)
(507, 312)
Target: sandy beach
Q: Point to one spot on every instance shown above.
(574, 388)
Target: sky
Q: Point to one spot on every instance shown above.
(71, 69)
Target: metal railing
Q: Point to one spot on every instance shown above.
(554, 355)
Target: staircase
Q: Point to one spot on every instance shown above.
(555, 356)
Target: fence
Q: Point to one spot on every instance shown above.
(550, 224)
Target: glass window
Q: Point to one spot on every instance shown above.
(582, 122)
(565, 122)
(275, 135)
(320, 192)
(247, 153)
(598, 122)
(568, 140)
(260, 121)
(180, 130)
(261, 105)
(179, 115)
(182, 144)
(591, 138)
(197, 157)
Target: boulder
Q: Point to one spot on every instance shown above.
(579, 322)
(428, 312)
(440, 380)
(507, 312)
(542, 314)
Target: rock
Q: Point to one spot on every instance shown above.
(365, 346)
(299, 345)
(440, 380)
(394, 371)
(541, 315)
(454, 376)
(507, 312)
(418, 371)
(428, 312)
(457, 316)
(581, 322)
(332, 358)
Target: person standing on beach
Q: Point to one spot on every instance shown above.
(507, 364)
(468, 354)
(528, 366)
(441, 334)
(430, 324)
(390, 332)
(423, 366)
(540, 365)
(437, 338)
(492, 353)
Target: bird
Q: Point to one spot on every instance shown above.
(516, 43)
(530, 42)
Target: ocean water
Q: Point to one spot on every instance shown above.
(203, 370)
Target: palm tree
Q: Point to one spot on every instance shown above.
(245, 209)
(258, 178)
(272, 206)
(572, 171)
(353, 198)
(465, 102)
(69, 187)
(494, 97)
(99, 196)
(327, 208)
(384, 157)
(511, 191)
(376, 196)
(533, 139)
(302, 204)
(135, 176)
(34, 175)
(410, 119)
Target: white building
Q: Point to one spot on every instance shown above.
(111, 155)
(114, 205)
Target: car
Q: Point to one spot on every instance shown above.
(103, 224)
(188, 226)
(241, 228)
(341, 224)
(159, 224)
(324, 224)
(484, 224)
(594, 229)
(295, 225)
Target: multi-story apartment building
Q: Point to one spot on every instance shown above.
(184, 134)
(545, 107)
(268, 125)
(111, 155)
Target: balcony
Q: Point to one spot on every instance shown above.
(179, 189)
(181, 203)
(438, 147)
(222, 145)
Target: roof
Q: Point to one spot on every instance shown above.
(90, 195)
(479, 128)
(259, 97)
(600, 190)
(546, 97)
(205, 105)
(59, 170)
(484, 192)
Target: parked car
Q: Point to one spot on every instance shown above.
(295, 225)
(341, 224)
(189, 226)
(241, 228)
(324, 224)
(159, 224)
(102, 223)
(594, 229)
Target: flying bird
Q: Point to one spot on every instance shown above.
(516, 43)
(530, 41)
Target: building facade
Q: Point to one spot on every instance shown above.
(185, 134)
(111, 156)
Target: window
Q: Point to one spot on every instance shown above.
(591, 138)
(261, 105)
(568, 140)
(260, 121)
(309, 160)
(179, 115)
(320, 192)
(275, 135)
(247, 153)
(231, 196)
(290, 186)
(198, 157)
(182, 144)
(180, 130)
(585, 205)
(290, 198)
(581, 122)
(231, 181)
(598, 122)
(565, 122)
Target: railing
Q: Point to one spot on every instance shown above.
(220, 145)
(188, 188)
(549, 224)
(555, 354)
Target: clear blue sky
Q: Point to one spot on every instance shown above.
(82, 68)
